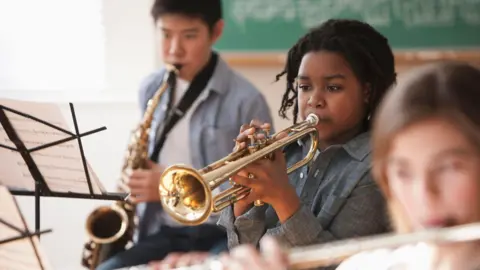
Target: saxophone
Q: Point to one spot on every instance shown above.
(110, 228)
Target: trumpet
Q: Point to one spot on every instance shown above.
(333, 253)
(187, 194)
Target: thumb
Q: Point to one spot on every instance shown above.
(153, 166)
(150, 164)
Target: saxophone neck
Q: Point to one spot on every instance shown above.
(168, 80)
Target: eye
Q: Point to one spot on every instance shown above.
(304, 87)
(403, 174)
(449, 166)
(334, 88)
(166, 35)
(190, 36)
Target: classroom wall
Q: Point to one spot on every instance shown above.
(130, 55)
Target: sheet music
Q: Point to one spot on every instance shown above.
(61, 165)
(20, 254)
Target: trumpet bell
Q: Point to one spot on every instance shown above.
(185, 195)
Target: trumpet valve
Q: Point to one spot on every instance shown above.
(252, 147)
(267, 132)
(252, 139)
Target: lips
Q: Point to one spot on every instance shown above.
(175, 63)
(438, 223)
(321, 117)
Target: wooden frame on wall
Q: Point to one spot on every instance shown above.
(402, 58)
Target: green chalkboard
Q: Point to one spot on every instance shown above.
(274, 25)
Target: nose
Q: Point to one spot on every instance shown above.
(317, 99)
(427, 194)
(175, 47)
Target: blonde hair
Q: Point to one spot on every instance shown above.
(449, 90)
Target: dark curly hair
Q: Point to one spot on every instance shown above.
(364, 48)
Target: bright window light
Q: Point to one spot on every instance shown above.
(51, 45)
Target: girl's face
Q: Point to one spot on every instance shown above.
(328, 88)
(434, 175)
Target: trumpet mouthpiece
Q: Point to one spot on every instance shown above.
(312, 118)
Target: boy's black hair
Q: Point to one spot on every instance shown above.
(209, 11)
(364, 48)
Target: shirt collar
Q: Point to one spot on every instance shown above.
(358, 147)
(219, 81)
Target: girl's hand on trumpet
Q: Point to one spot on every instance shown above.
(268, 179)
(242, 206)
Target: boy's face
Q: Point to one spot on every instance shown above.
(186, 41)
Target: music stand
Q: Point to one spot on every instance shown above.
(42, 188)
(19, 248)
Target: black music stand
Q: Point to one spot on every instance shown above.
(22, 233)
(41, 186)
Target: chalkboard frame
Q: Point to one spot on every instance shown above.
(402, 57)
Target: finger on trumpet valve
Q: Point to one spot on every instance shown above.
(258, 203)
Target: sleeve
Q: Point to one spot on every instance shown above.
(362, 214)
(248, 228)
(256, 107)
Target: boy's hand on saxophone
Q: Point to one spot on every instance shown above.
(143, 183)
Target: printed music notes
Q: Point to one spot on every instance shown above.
(60, 165)
(22, 253)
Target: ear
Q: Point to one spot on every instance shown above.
(367, 93)
(217, 30)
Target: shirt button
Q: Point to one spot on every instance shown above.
(301, 175)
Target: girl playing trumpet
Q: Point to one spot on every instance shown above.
(426, 156)
(338, 71)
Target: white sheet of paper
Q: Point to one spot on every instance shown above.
(18, 254)
(61, 165)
